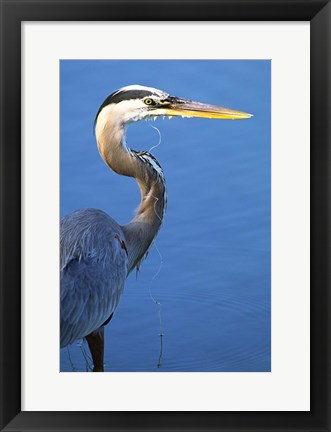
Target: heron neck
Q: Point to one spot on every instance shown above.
(143, 228)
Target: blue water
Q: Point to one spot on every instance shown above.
(213, 280)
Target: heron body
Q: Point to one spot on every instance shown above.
(97, 253)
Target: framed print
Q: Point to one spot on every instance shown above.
(226, 325)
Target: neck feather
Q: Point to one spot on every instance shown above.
(143, 228)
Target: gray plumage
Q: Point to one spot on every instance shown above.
(93, 271)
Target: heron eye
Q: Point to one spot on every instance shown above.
(149, 101)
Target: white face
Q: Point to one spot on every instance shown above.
(137, 109)
(131, 110)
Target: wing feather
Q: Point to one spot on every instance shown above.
(93, 272)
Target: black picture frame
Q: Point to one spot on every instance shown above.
(13, 12)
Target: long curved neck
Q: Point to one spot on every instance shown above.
(141, 231)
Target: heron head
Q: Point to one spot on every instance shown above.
(137, 102)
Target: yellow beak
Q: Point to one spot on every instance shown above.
(188, 108)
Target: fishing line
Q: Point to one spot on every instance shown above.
(156, 213)
(87, 358)
(157, 305)
(160, 138)
(156, 302)
(156, 274)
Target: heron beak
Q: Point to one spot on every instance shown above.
(188, 108)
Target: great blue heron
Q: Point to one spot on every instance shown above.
(97, 253)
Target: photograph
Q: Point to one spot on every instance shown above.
(165, 215)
